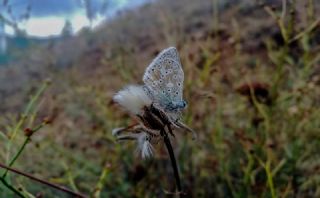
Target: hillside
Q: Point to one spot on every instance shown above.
(19, 45)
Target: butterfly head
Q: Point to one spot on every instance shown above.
(182, 104)
(177, 105)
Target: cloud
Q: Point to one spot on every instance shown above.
(45, 26)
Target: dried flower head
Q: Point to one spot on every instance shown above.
(133, 98)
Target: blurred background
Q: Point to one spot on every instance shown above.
(252, 81)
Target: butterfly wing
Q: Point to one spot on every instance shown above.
(164, 78)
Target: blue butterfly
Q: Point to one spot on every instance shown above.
(163, 80)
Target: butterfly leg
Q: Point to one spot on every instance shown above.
(136, 134)
(133, 131)
(184, 126)
(118, 131)
(128, 137)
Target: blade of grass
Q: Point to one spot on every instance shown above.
(101, 182)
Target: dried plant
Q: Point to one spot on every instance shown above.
(157, 105)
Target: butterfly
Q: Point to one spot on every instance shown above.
(163, 80)
(158, 103)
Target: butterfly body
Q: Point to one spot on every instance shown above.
(177, 105)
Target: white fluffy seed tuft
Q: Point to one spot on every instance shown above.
(133, 98)
(145, 147)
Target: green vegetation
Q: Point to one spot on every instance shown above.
(252, 81)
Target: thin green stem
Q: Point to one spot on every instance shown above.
(260, 109)
(14, 190)
(248, 169)
(16, 156)
(29, 108)
(24, 115)
(267, 168)
(101, 182)
(270, 179)
(26, 141)
(70, 177)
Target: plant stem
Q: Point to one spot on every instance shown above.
(11, 188)
(27, 111)
(26, 141)
(270, 179)
(267, 167)
(16, 156)
(101, 182)
(61, 188)
(172, 157)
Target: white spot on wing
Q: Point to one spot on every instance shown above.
(170, 84)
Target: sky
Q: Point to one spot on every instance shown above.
(47, 17)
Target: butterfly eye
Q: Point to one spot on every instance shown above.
(179, 84)
(184, 103)
(177, 93)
